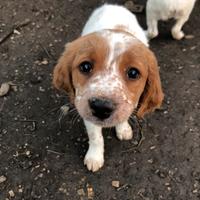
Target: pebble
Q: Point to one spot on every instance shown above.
(11, 193)
(115, 184)
(2, 179)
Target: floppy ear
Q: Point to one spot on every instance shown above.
(62, 76)
(152, 96)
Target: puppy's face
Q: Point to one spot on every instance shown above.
(108, 75)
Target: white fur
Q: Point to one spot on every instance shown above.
(94, 158)
(110, 16)
(124, 131)
(165, 9)
(103, 20)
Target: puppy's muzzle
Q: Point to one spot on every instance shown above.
(101, 108)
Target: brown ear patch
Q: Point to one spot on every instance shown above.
(152, 96)
(62, 77)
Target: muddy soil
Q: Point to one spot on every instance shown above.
(41, 157)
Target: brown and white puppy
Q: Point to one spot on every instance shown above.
(109, 72)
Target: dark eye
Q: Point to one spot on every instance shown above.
(86, 67)
(133, 73)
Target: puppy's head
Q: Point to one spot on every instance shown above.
(108, 75)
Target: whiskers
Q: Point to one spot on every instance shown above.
(68, 109)
(136, 122)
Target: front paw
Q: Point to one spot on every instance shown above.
(151, 34)
(93, 160)
(124, 131)
(177, 35)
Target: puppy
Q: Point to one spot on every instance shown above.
(109, 73)
(166, 9)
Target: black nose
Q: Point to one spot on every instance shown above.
(101, 108)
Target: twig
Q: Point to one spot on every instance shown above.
(123, 187)
(27, 120)
(33, 128)
(55, 152)
(5, 37)
(45, 50)
(2, 105)
(50, 111)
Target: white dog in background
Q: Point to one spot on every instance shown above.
(165, 9)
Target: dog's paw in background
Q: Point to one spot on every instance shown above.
(157, 10)
(124, 131)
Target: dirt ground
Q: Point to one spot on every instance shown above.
(41, 158)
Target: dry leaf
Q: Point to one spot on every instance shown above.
(4, 89)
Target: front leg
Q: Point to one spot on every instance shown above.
(94, 157)
(124, 131)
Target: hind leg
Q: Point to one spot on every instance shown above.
(176, 31)
(152, 31)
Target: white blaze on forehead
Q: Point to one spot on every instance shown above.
(109, 81)
(118, 43)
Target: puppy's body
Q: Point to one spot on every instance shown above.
(165, 9)
(108, 72)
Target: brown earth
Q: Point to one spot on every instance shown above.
(41, 158)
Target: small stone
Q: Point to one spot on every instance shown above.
(11, 193)
(16, 32)
(152, 147)
(28, 153)
(44, 62)
(195, 191)
(150, 161)
(4, 89)
(115, 184)
(2, 179)
(169, 188)
(20, 190)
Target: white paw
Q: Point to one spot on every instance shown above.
(124, 131)
(152, 34)
(93, 160)
(178, 35)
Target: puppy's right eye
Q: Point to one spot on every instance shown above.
(86, 67)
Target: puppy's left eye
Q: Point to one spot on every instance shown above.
(133, 73)
(86, 67)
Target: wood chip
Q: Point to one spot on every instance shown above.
(2, 179)
(115, 184)
(4, 89)
(189, 37)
